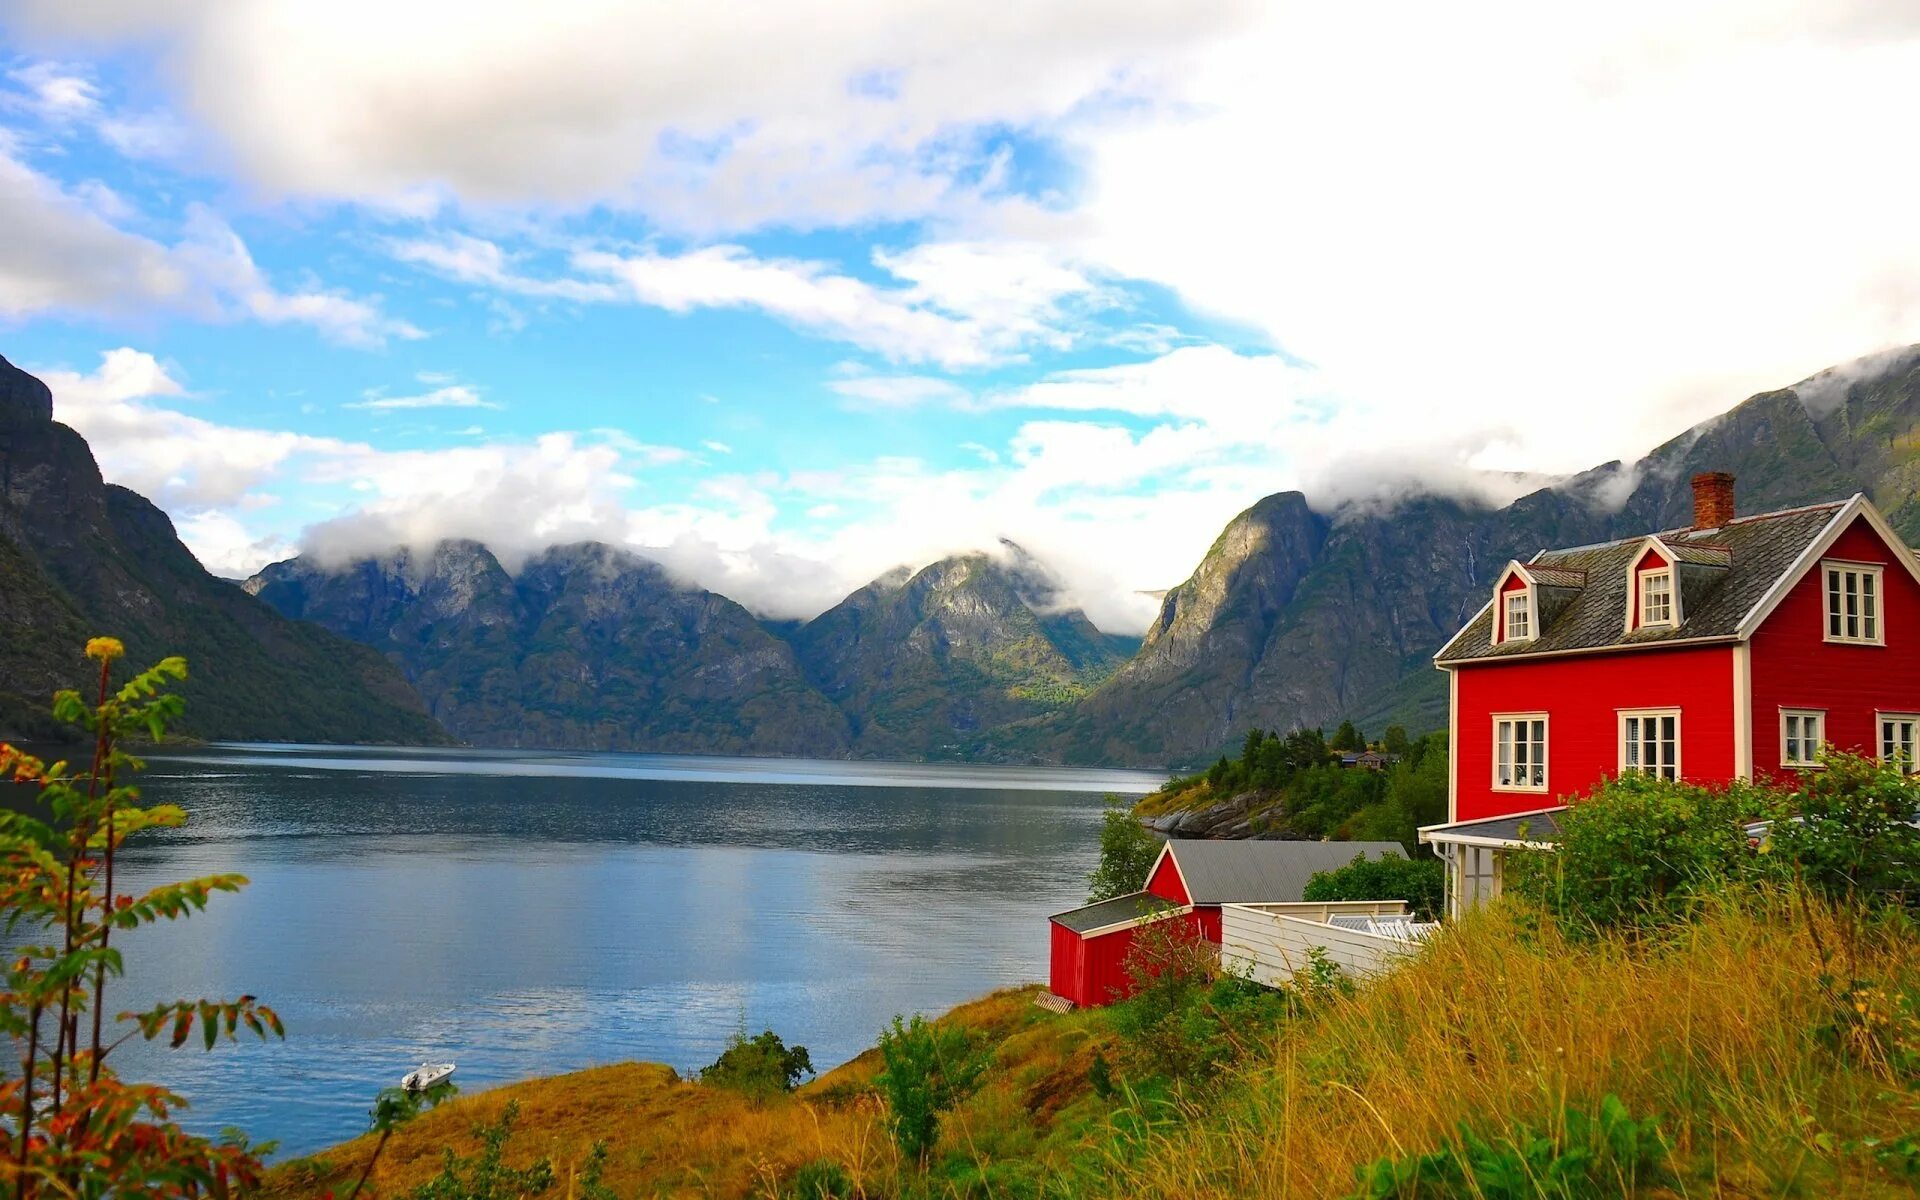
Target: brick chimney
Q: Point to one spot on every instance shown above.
(1712, 499)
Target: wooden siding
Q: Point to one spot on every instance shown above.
(1091, 971)
(1794, 666)
(1273, 941)
(1582, 695)
(1165, 881)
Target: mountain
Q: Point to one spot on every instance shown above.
(80, 557)
(926, 662)
(587, 647)
(1297, 616)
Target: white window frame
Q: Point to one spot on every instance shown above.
(1528, 611)
(1546, 751)
(1810, 761)
(1912, 720)
(1651, 714)
(1667, 574)
(1871, 590)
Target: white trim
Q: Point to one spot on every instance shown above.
(1743, 711)
(1546, 752)
(1485, 843)
(1621, 717)
(1101, 931)
(1879, 741)
(1858, 506)
(1166, 851)
(1453, 743)
(1718, 639)
(1864, 570)
(1423, 830)
(1530, 588)
(1636, 606)
(1806, 764)
(1475, 619)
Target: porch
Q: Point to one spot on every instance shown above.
(1270, 943)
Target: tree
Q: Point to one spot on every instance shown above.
(77, 1128)
(928, 1068)
(1127, 851)
(1347, 738)
(759, 1066)
(1418, 881)
(1395, 740)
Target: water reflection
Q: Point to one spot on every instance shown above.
(525, 914)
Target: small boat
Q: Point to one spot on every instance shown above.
(424, 1078)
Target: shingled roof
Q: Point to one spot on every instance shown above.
(1736, 566)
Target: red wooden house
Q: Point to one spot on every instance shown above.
(1733, 649)
(1188, 883)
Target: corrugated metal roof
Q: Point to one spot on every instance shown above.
(1763, 548)
(1250, 872)
(1116, 911)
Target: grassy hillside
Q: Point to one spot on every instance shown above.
(1722, 1034)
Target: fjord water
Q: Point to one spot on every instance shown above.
(526, 913)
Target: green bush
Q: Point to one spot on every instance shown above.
(486, 1176)
(927, 1069)
(1582, 1158)
(1639, 853)
(1418, 881)
(1185, 1020)
(759, 1066)
(1848, 833)
(821, 1179)
(1127, 851)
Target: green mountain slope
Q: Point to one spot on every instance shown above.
(926, 663)
(79, 556)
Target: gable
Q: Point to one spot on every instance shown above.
(1164, 880)
(1863, 537)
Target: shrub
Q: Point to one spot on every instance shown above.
(1848, 833)
(1418, 881)
(1639, 853)
(927, 1069)
(1184, 1019)
(486, 1176)
(759, 1066)
(1582, 1158)
(68, 1114)
(1127, 851)
(821, 1179)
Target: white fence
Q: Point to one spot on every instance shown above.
(1270, 942)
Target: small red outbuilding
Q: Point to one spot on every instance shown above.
(1188, 882)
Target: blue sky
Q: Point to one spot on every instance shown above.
(788, 301)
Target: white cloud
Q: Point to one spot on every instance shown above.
(455, 395)
(900, 391)
(57, 92)
(821, 112)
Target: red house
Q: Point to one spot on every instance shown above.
(1188, 882)
(1733, 649)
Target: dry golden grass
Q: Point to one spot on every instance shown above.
(666, 1136)
(1716, 1032)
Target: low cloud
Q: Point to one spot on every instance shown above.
(457, 395)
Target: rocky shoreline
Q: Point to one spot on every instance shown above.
(1242, 816)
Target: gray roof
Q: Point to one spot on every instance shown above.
(1112, 912)
(1246, 872)
(1527, 827)
(1724, 574)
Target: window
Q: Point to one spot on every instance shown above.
(1802, 733)
(1897, 739)
(1656, 598)
(1519, 610)
(1520, 753)
(1853, 604)
(1650, 743)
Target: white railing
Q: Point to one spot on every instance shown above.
(1270, 942)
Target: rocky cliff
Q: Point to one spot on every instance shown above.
(81, 557)
(1301, 617)
(587, 647)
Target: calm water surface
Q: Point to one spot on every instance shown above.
(528, 913)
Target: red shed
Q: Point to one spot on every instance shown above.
(1736, 648)
(1188, 882)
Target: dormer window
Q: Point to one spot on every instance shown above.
(1853, 603)
(1519, 617)
(1656, 597)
